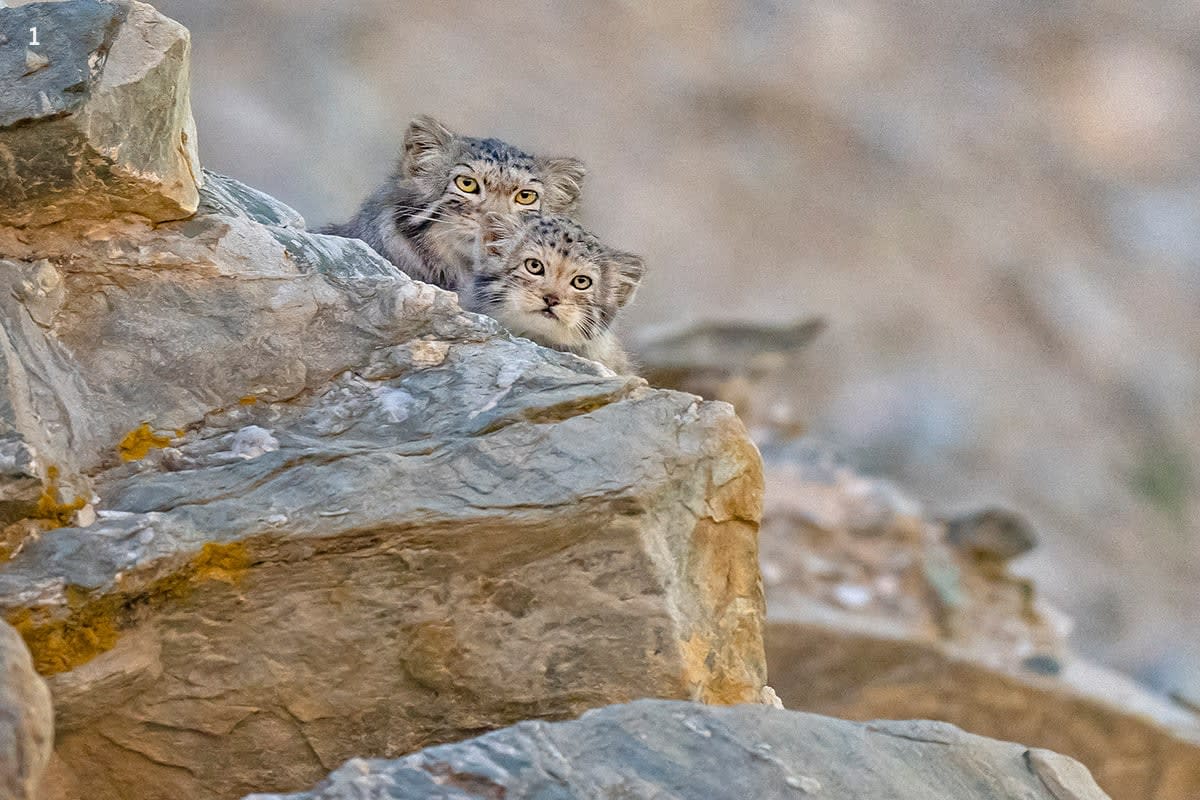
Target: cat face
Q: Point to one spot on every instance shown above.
(461, 179)
(549, 280)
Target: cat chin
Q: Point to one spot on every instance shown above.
(533, 325)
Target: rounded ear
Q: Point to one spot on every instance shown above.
(562, 182)
(630, 269)
(427, 145)
(500, 232)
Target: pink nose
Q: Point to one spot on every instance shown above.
(551, 299)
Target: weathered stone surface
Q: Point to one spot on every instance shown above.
(95, 120)
(26, 720)
(655, 749)
(336, 515)
(879, 610)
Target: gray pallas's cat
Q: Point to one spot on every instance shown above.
(549, 280)
(426, 217)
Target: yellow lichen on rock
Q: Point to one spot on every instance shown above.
(138, 443)
(93, 624)
(50, 506)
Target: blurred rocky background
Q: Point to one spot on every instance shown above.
(995, 206)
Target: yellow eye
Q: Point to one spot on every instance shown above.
(526, 197)
(467, 184)
(581, 282)
(534, 266)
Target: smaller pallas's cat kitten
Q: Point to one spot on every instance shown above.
(425, 218)
(549, 280)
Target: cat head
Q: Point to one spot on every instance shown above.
(548, 279)
(461, 176)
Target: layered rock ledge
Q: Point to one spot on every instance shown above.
(332, 514)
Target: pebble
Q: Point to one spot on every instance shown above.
(852, 596)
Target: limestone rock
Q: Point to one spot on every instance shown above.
(337, 515)
(26, 720)
(655, 749)
(95, 120)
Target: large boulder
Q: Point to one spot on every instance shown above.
(95, 118)
(26, 720)
(654, 749)
(315, 510)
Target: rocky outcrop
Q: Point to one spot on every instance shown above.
(95, 118)
(26, 720)
(678, 750)
(269, 504)
(880, 610)
(337, 515)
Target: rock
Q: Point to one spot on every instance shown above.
(729, 361)
(991, 534)
(908, 616)
(1066, 778)
(335, 514)
(26, 720)
(655, 749)
(96, 119)
(1136, 744)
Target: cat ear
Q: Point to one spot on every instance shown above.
(500, 232)
(427, 145)
(562, 182)
(630, 269)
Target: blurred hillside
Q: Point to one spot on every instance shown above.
(996, 205)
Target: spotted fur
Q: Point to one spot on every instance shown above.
(426, 225)
(527, 279)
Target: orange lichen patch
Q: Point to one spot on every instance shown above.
(93, 624)
(50, 507)
(138, 443)
(221, 562)
(14, 536)
(63, 645)
(248, 400)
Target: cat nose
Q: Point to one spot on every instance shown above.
(551, 299)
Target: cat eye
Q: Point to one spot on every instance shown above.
(526, 197)
(534, 266)
(581, 282)
(467, 184)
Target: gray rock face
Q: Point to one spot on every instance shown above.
(335, 514)
(26, 720)
(654, 749)
(95, 119)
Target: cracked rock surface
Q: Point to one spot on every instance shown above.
(286, 506)
(656, 749)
